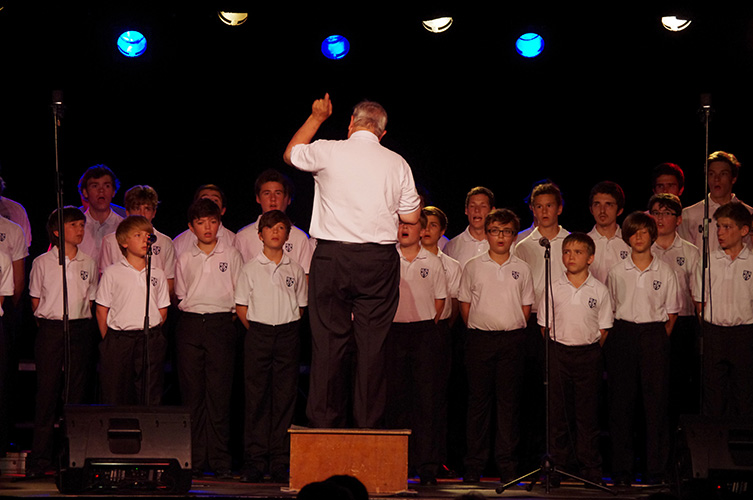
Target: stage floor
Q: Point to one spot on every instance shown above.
(17, 486)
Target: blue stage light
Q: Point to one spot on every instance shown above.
(131, 43)
(529, 45)
(335, 47)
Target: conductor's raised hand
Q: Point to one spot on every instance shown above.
(322, 108)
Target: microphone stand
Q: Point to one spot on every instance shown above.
(705, 280)
(145, 393)
(548, 468)
(57, 114)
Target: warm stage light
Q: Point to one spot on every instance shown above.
(529, 45)
(132, 44)
(673, 23)
(335, 47)
(438, 25)
(233, 18)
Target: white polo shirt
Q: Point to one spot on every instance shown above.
(643, 296)
(692, 222)
(273, 292)
(683, 257)
(360, 188)
(521, 236)
(577, 314)
(163, 253)
(205, 283)
(6, 277)
(46, 284)
(609, 251)
(730, 288)
(186, 240)
(496, 293)
(298, 246)
(94, 232)
(422, 281)
(17, 213)
(12, 240)
(452, 272)
(464, 247)
(531, 252)
(122, 288)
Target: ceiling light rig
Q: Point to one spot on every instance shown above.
(437, 25)
(232, 18)
(674, 23)
(529, 45)
(335, 47)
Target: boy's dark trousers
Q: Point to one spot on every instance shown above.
(416, 388)
(727, 370)
(49, 353)
(637, 360)
(575, 374)
(495, 361)
(205, 345)
(271, 364)
(121, 372)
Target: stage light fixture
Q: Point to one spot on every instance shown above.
(673, 23)
(233, 18)
(132, 43)
(335, 47)
(529, 45)
(437, 25)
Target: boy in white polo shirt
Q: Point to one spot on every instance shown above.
(121, 301)
(45, 289)
(606, 202)
(142, 200)
(205, 337)
(472, 242)
(580, 314)
(269, 299)
(185, 240)
(728, 317)
(496, 294)
(683, 257)
(274, 191)
(645, 299)
(415, 348)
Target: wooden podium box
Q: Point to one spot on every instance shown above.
(378, 458)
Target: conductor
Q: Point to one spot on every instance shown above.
(362, 191)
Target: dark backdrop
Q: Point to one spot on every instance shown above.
(612, 95)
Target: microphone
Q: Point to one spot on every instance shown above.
(544, 242)
(57, 105)
(152, 239)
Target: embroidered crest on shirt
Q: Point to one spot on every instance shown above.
(290, 281)
(592, 302)
(288, 247)
(424, 272)
(680, 261)
(746, 275)
(154, 281)
(657, 284)
(223, 266)
(155, 249)
(515, 275)
(623, 254)
(84, 275)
